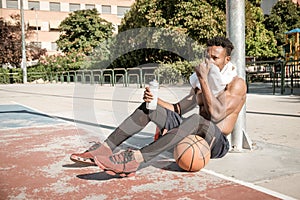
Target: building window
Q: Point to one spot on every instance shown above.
(55, 6)
(37, 44)
(54, 25)
(33, 26)
(89, 6)
(106, 9)
(121, 10)
(12, 4)
(53, 46)
(74, 7)
(34, 5)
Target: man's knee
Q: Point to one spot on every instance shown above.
(144, 108)
(204, 126)
(195, 117)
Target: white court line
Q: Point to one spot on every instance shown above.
(62, 122)
(250, 185)
(39, 111)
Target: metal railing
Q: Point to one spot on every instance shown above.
(116, 76)
(281, 74)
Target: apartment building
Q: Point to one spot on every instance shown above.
(44, 17)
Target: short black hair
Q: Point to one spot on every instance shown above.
(221, 41)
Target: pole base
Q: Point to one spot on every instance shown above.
(246, 144)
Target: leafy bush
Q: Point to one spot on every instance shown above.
(4, 76)
(174, 73)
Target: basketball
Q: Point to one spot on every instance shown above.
(192, 153)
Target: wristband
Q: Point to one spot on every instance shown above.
(177, 108)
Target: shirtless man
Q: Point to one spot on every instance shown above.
(216, 119)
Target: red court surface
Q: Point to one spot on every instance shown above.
(35, 164)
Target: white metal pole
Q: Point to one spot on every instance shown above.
(37, 28)
(235, 22)
(23, 63)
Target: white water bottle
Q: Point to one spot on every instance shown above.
(154, 90)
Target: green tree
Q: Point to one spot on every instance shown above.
(198, 19)
(221, 4)
(82, 31)
(182, 18)
(68, 62)
(285, 16)
(201, 20)
(260, 42)
(11, 41)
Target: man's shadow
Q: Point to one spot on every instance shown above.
(98, 176)
(161, 163)
(102, 176)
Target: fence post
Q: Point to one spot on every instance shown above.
(62, 77)
(83, 78)
(282, 83)
(292, 79)
(141, 78)
(68, 77)
(126, 78)
(273, 79)
(101, 78)
(56, 77)
(113, 77)
(92, 78)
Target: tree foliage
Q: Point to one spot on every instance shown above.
(11, 43)
(82, 31)
(67, 62)
(198, 19)
(285, 16)
(221, 4)
(184, 23)
(202, 20)
(260, 42)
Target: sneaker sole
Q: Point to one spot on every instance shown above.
(122, 174)
(86, 161)
(112, 172)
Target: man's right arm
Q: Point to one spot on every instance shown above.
(183, 106)
(165, 104)
(188, 103)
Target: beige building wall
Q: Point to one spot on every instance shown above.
(42, 18)
(44, 22)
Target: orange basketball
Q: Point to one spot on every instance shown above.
(192, 153)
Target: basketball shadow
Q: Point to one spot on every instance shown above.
(170, 166)
(165, 161)
(167, 165)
